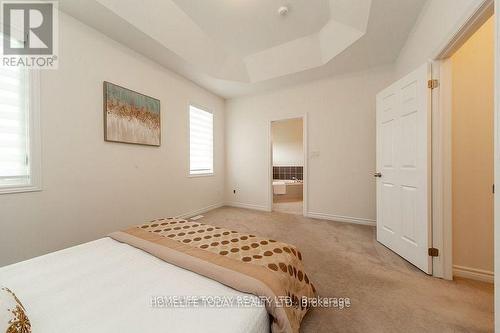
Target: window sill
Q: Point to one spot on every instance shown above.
(196, 175)
(19, 189)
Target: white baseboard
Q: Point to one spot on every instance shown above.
(340, 218)
(248, 206)
(337, 218)
(473, 273)
(200, 211)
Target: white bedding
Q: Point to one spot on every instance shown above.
(107, 286)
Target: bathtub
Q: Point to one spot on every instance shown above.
(287, 189)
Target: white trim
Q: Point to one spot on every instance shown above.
(196, 175)
(35, 138)
(473, 273)
(314, 215)
(305, 148)
(305, 174)
(474, 18)
(476, 15)
(35, 135)
(19, 189)
(247, 206)
(340, 218)
(201, 210)
(269, 161)
(441, 170)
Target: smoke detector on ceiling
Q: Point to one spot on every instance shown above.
(283, 10)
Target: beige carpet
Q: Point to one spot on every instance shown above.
(387, 293)
(290, 207)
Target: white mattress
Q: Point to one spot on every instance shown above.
(107, 286)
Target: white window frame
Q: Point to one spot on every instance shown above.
(203, 108)
(34, 136)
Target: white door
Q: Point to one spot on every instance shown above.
(403, 168)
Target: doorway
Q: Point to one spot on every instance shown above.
(288, 166)
(436, 173)
(464, 158)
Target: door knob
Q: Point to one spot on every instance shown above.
(378, 175)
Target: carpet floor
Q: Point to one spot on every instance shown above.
(290, 207)
(387, 293)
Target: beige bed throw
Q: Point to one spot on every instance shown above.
(250, 264)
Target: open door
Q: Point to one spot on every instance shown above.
(404, 169)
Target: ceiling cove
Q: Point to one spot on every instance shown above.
(248, 41)
(233, 47)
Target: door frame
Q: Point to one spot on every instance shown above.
(305, 187)
(441, 136)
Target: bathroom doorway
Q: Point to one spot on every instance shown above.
(288, 166)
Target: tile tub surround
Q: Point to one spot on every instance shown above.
(288, 172)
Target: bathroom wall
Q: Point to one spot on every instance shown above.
(287, 143)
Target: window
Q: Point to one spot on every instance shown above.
(201, 142)
(19, 144)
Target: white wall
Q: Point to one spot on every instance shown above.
(287, 141)
(341, 142)
(437, 22)
(92, 187)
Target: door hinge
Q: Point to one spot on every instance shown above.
(433, 252)
(432, 84)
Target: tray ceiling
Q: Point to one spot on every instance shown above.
(235, 47)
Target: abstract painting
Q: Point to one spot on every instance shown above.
(130, 117)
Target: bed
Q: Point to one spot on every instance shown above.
(120, 283)
(108, 286)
